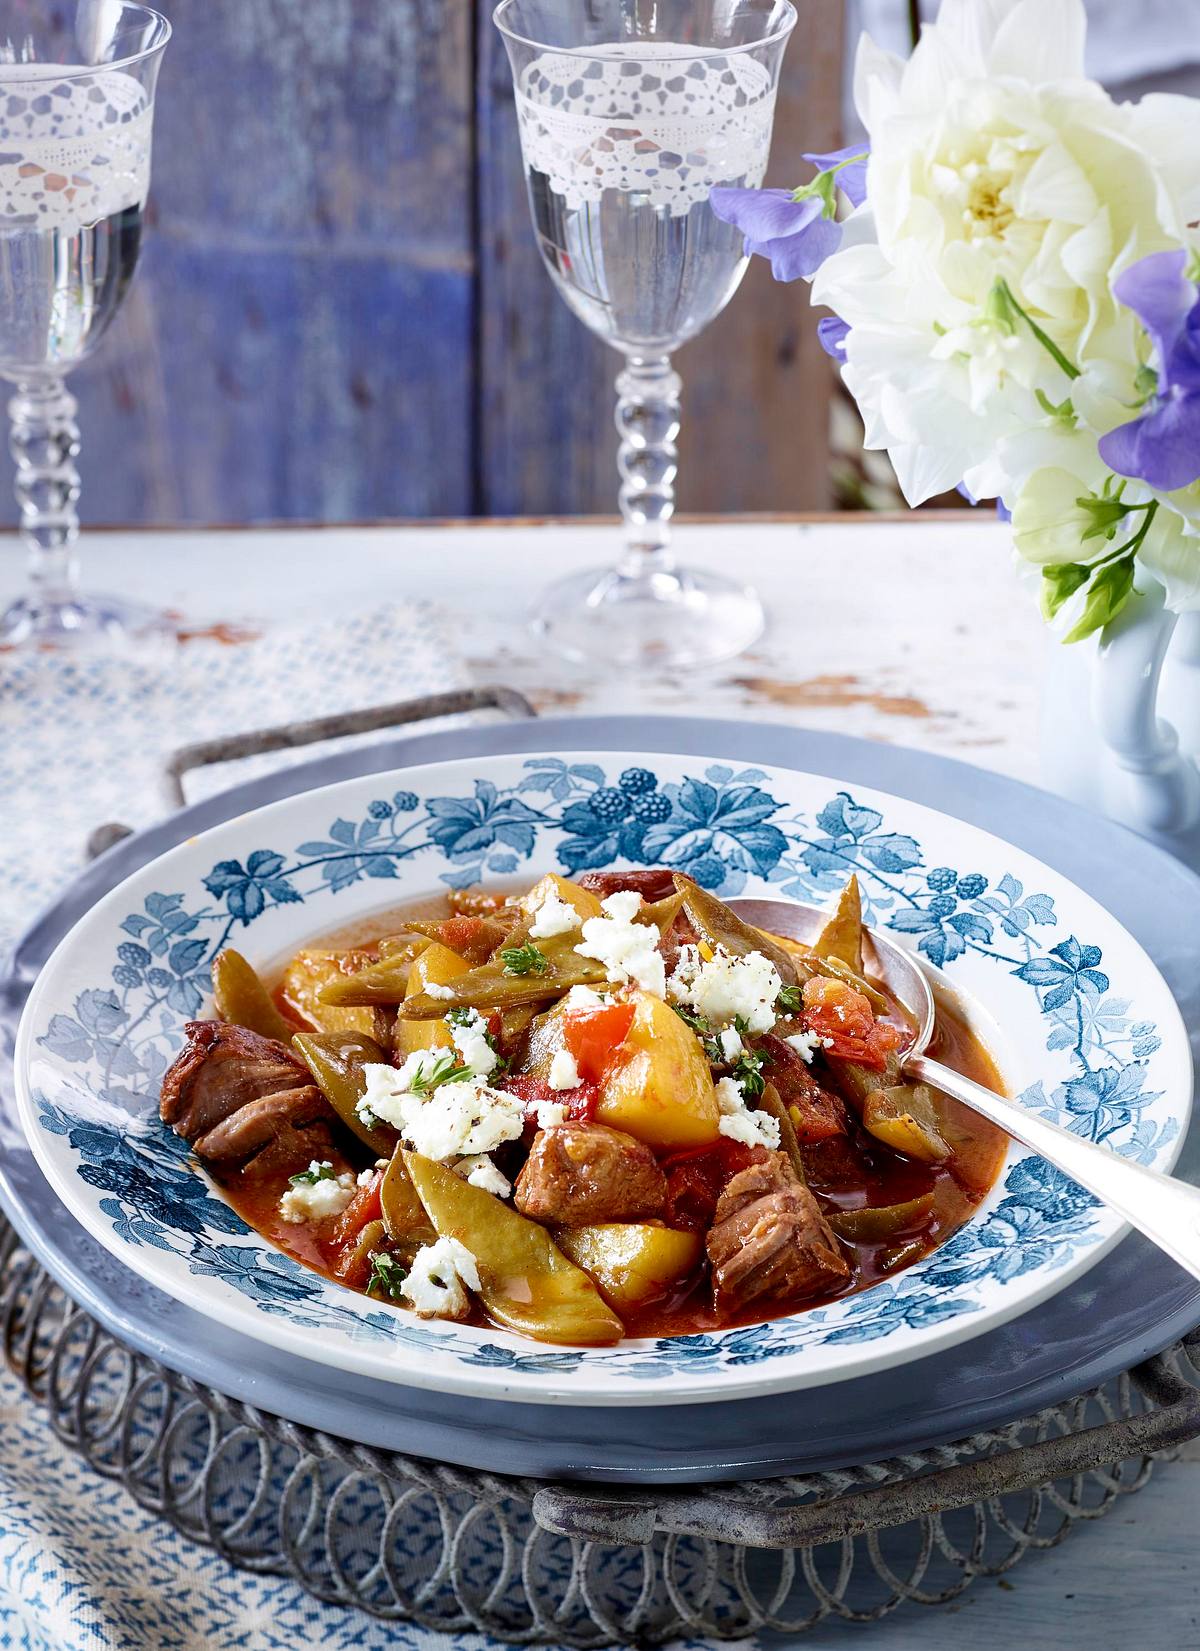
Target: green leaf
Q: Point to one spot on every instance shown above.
(1107, 595)
(789, 1001)
(1059, 584)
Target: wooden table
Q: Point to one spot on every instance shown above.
(914, 632)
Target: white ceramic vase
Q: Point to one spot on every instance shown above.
(1121, 723)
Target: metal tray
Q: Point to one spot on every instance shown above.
(1069, 1345)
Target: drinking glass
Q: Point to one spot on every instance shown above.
(77, 81)
(629, 112)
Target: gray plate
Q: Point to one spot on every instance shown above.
(1129, 1305)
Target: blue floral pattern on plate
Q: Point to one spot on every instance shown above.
(727, 828)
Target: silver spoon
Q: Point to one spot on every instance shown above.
(1166, 1210)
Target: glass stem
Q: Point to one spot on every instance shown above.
(44, 443)
(647, 422)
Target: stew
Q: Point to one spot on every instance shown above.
(599, 1109)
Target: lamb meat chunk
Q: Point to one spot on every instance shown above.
(286, 1130)
(221, 1068)
(816, 1113)
(769, 1241)
(235, 1096)
(580, 1173)
(656, 884)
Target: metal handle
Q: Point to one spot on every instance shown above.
(290, 735)
(1166, 1210)
(719, 1515)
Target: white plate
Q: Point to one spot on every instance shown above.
(1090, 1036)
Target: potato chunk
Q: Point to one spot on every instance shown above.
(307, 976)
(659, 1088)
(436, 966)
(630, 1264)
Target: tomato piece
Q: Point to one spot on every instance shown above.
(845, 1022)
(697, 1177)
(461, 933)
(593, 1037)
(365, 1206)
(580, 1103)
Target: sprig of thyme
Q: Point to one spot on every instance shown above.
(524, 960)
(386, 1277)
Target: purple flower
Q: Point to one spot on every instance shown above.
(832, 333)
(795, 235)
(850, 166)
(796, 229)
(1163, 446)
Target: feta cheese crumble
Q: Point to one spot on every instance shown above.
(455, 1120)
(553, 917)
(582, 998)
(432, 989)
(468, 1030)
(725, 988)
(731, 1044)
(564, 1074)
(439, 1278)
(550, 1114)
(628, 950)
(479, 1171)
(806, 1044)
(317, 1200)
(365, 1177)
(753, 1129)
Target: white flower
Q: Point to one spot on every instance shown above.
(994, 161)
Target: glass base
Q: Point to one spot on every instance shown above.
(654, 621)
(77, 623)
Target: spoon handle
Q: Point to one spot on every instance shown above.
(1166, 1210)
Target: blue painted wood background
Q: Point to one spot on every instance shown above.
(340, 314)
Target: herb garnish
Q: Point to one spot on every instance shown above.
(790, 1000)
(472, 1018)
(446, 1068)
(747, 1072)
(524, 960)
(314, 1173)
(386, 1276)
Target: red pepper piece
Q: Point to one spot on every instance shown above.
(593, 1037)
(366, 1205)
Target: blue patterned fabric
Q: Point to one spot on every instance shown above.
(82, 1566)
(62, 721)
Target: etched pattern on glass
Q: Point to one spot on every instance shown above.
(71, 151)
(658, 120)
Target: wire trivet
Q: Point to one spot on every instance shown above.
(530, 1563)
